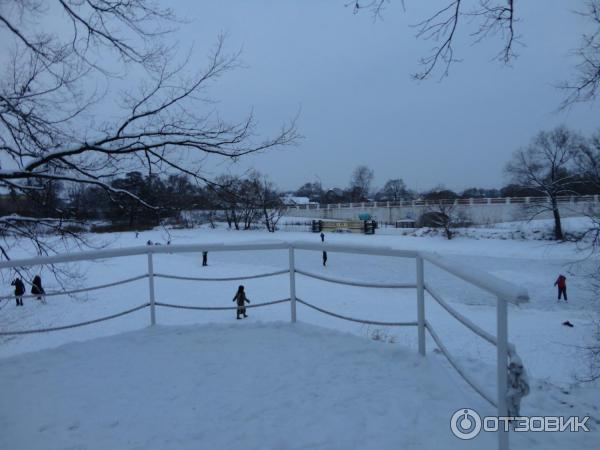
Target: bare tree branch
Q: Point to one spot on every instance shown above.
(166, 124)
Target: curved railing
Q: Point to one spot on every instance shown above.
(509, 366)
(145, 305)
(82, 290)
(75, 325)
(248, 277)
(357, 283)
(352, 319)
(221, 308)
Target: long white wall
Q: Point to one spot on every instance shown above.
(478, 211)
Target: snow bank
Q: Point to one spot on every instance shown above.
(241, 386)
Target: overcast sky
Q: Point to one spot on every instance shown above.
(351, 78)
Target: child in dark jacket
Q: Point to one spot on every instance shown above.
(19, 290)
(241, 299)
(37, 289)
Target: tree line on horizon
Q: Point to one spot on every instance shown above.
(557, 162)
(140, 201)
(562, 159)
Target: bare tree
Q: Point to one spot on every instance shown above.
(394, 189)
(587, 160)
(268, 201)
(227, 199)
(360, 183)
(442, 211)
(547, 166)
(442, 214)
(496, 19)
(587, 166)
(47, 129)
(584, 86)
(491, 18)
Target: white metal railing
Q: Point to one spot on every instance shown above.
(449, 201)
(508, 364)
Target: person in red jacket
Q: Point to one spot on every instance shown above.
(561, 282)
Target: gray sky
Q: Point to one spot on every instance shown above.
(351, 78)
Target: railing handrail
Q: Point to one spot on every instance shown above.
(468, 323)
(502, 289)
(364, 284)
(139, 250)
(80, 290)
(374, 250)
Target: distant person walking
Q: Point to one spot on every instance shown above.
(561, 283)
(37, 289)
(241, 299)
(19, 290)
(205, 258)
(324, 258)
(322, 237)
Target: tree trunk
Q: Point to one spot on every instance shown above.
(558, 234)
(131, 216)
(268, 223)
(234, 219)
(448, 231)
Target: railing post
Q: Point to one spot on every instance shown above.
(151, 286)
(502, 367)
(421, 305)
(292, 285)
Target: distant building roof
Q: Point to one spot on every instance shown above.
(291, 200)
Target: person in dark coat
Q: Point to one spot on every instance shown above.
(561, 283)
(37, 289)
(322, 237)
(241, 299)
(205, 258)
(324, 258)
(19, 290)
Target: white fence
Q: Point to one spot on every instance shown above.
(572, 199)
(477, 211)
(509, 367)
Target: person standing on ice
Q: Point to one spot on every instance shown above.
(19, 290)
(205, 258)
(37, 289)
(324, 258)
(322, 237)
(561, 283)
(241, 299)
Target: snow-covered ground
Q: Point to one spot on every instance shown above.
(242, 386)
(536, 229)
(551, 352)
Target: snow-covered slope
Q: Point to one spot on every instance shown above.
(241, 386)
(552, 353)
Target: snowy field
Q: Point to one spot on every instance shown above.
(259, 383)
